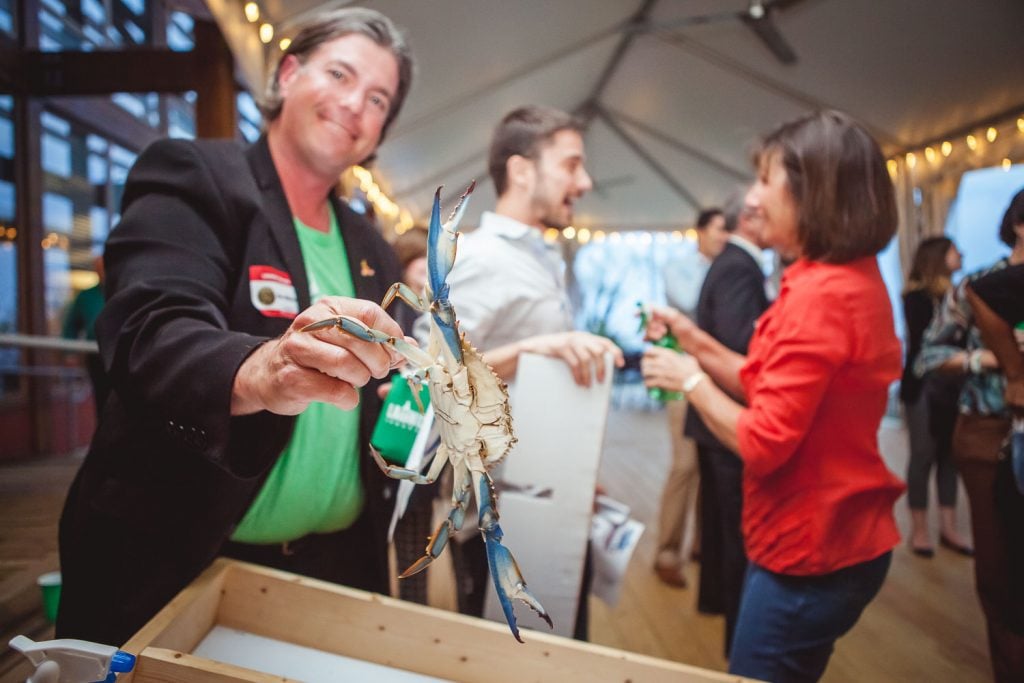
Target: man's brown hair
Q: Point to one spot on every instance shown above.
(837, 175)
(325, 27)
(523, 132)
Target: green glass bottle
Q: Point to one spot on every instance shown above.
(668, 341)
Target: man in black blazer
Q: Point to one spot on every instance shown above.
(207, 291)
(731, 300)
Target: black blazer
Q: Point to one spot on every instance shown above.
(170, 472)
(732, 298)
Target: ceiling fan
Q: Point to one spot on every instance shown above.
(759, 16)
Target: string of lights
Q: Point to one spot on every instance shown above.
(977, 143)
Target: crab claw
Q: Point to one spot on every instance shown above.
(441, 247)
(508, 581)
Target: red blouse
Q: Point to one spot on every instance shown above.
(816, 495)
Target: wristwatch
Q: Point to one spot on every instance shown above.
(691, 382)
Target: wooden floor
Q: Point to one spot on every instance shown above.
(924, 626)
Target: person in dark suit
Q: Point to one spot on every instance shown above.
(731, 300)
(229, 431)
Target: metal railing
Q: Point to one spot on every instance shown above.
(71, 384)
(35, 341)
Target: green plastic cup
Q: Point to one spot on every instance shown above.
(49, 584)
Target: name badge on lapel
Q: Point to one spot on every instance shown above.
(272, 293)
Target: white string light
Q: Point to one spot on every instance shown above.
(975, 142)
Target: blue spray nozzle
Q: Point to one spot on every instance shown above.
(122, 662)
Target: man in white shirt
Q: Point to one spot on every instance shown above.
(507, 284)
(683, 279)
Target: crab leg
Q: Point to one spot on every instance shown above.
(402, 291)
(508, 581)
(437, 464)
(358, 329)
(439, 541)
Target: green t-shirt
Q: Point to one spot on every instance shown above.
(314, 486)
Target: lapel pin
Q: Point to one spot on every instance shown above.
(365, 270)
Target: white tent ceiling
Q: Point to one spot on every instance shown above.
(677, 105)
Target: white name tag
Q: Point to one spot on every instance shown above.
(272, 293)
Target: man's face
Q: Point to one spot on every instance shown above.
(559, 179)
(711, 239)
(335, 104)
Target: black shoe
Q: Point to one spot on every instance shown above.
(956, 547)
(923, 552)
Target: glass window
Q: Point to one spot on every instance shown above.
(56, 155)
(8, 314)
(181, 115)
(8, 249)
(249, 118)
(8, 25)
(94, 11)
(180, 32)
(136, 6)
(6, 138)
(79, 201)
(92, 24)
(618, 272)
(977, 212)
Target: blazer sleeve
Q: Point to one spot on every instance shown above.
(163, 333)
(736, 300)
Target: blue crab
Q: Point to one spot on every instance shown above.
(471, 404)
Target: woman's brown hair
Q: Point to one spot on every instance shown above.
(838, 178)
(929, 270)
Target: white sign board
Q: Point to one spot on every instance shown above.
(547, 489)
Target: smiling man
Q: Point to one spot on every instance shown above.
(508, 286)
(229, 432)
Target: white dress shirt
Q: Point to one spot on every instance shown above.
(507, 284)
(684, 277)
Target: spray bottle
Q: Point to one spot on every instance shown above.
(668, 341)
(73, 661)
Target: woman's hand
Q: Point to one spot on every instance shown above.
(667, 319)
(667, 369)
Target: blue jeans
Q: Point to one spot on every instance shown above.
(788, 624)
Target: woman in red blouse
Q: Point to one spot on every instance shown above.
(817, 498)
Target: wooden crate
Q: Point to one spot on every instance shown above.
(372, 628)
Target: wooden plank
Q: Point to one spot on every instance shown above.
(183, 622)
(159, 665)
(417, 638)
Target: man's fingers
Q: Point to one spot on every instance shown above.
(322, 350)
(325, 389)
(571, 354)
(369, 313)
